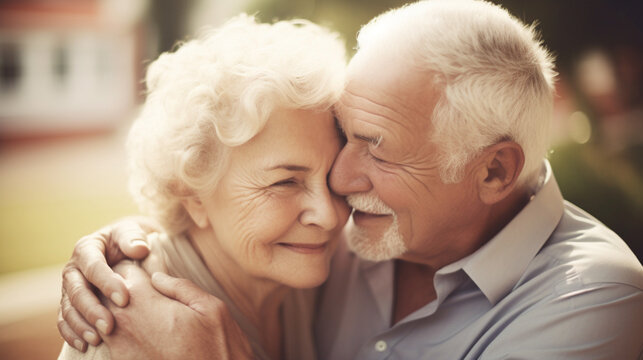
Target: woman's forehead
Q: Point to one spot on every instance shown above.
(292, 137)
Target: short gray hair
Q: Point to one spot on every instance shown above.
(496, 80)
(217, 91)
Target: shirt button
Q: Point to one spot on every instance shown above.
(380, 346)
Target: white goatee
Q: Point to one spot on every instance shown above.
(390, 245)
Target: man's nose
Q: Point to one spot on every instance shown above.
(347, 175)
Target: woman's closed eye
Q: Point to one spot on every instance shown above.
(285, 182)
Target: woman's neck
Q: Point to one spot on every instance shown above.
(259, 300)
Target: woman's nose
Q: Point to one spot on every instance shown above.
(320, 209)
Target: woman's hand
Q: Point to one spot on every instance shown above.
(81, 313)
(175, 319)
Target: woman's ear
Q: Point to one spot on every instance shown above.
(197, 211)
(501, 165)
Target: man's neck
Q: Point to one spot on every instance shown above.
(413, 288)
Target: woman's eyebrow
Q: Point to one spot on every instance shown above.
(289, 167)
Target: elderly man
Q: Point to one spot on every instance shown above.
(460, 245)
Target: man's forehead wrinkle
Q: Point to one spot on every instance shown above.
(399, 119)
(395, 97)
(365, 98)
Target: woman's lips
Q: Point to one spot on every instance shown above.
(305, 248)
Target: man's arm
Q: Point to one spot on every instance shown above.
(600, 321)
(81, 313)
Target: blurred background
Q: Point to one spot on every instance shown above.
(70, 84)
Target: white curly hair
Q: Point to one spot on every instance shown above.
(217, 91)
(495, 78)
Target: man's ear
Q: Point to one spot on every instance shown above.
(499, 169)
(197, 211)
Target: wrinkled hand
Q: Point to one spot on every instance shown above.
(81, 314)
(187, 324)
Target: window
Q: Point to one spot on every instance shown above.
(10, 66)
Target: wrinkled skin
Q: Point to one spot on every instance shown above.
(194, 324)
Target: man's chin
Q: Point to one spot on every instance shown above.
(376, 247)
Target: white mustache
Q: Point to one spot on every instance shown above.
(369, 204)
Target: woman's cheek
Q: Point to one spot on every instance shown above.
(266, 219)
(279, 216)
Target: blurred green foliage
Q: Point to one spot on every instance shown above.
(608, 186)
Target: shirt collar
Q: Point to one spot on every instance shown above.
(498, 265)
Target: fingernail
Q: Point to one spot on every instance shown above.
(78, 345)
(138, 242)
(118, 299)
(89, 336)
(101, 325)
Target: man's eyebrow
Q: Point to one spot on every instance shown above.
(373, 140)
(289, 167)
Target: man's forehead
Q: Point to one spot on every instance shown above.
(375, 66)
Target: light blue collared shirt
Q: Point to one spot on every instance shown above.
(554, 283)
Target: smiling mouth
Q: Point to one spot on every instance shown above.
(305, 248)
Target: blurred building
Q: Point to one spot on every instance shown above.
(68, 66)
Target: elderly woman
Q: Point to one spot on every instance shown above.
(230, 154)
